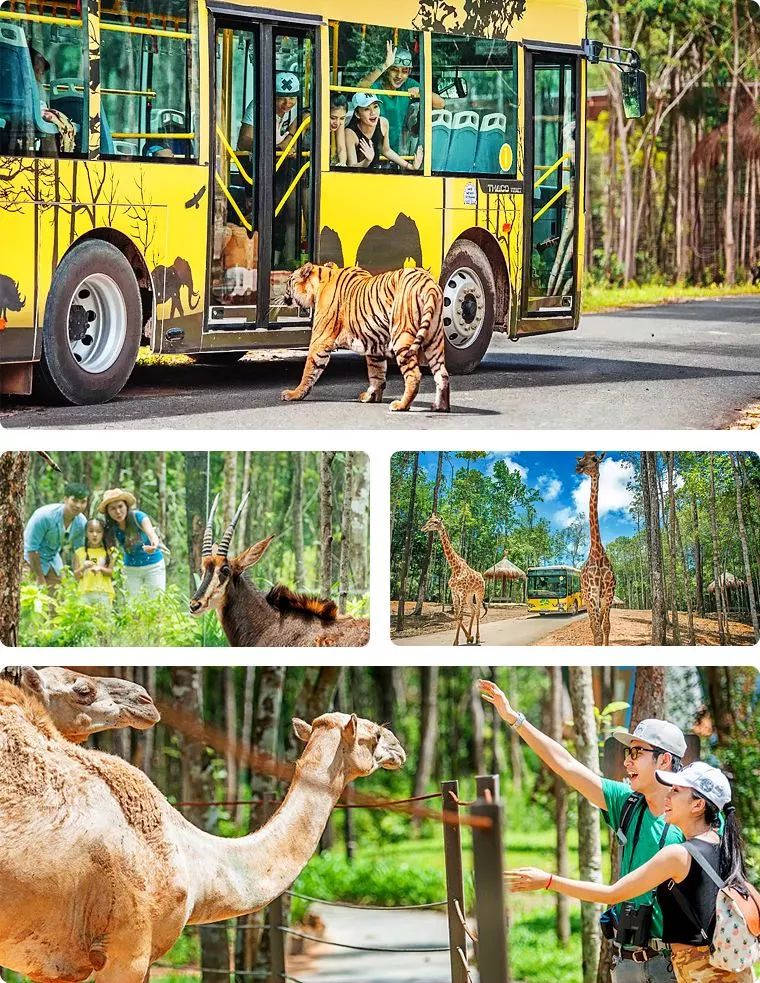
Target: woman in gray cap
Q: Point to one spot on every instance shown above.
(698, 803)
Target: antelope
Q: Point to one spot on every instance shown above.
(250, 616)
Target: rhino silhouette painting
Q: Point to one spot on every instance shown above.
(10, 297)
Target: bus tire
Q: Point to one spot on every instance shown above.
(469, 306)
(92, 327)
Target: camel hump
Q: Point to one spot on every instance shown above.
(285, 600)
(31, 708)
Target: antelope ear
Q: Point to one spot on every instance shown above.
(350, 730)
(252, 555)
(31, 680)
(301, 729)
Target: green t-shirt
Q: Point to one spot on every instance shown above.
(647, 844)
(395, 108)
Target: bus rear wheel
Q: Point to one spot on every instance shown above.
(469, 293)
(92, 328)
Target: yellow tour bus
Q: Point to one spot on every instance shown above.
(554, 590)
(166, 164)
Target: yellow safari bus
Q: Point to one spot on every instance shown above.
(554, 590)
(165, 165)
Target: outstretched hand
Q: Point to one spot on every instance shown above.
(367, 148)
(496, 697)
(526, 879)
(390, 55)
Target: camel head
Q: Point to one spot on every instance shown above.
(434, 524)
(218, 570)
(81, 705)
(589, 463)
(364, 746)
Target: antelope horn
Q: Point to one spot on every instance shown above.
(208, 535)
(227, 538)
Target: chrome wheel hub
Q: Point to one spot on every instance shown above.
(97, 323)
(464, 307)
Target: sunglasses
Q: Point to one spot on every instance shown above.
(634, 752)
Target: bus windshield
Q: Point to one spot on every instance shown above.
(547, 584)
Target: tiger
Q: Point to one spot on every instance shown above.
(396, 313)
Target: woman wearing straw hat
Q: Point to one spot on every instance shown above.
(131, 531)
(698, 803)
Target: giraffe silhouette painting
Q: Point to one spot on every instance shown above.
(597, 575)
(467, 585)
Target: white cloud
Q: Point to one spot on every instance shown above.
(564, 517)
(550, 486)
(614, 493)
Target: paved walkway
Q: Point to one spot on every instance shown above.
(510, 631)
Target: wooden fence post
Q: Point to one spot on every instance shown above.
(452, 847)
(488, 858)
(276, 917)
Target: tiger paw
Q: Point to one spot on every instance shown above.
(290, 395)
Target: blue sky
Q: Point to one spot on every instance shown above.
(565, 493)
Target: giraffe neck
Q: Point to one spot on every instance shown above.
(593, 517)
(453, 559)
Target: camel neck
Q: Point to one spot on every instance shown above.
(243, 875)
(246, 613)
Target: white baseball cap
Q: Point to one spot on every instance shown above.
(361, 100)
(658, 733)
(709, 782)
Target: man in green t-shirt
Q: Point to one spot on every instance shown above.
(654, 744)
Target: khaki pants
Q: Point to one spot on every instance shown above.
(692, 965)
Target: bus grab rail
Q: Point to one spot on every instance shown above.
(234, 156)
(562, 191)
(306, 122)
(293, 183)
(246, 224)
(368, 88)
(552, 169)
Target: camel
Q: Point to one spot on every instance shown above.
(122, 872)
(252, 617)
(81, 705)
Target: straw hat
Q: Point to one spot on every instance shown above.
(117, 495)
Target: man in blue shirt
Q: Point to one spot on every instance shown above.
(642, 831)
(53, 529)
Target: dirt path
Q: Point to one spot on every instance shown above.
(522, 630)
(634, 628)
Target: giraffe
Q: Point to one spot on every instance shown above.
(597, 575)
(467, 585)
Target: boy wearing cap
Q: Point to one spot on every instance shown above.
(639, 821)
(394, 74)
(53, 529)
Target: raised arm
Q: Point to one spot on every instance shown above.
(671, 863)
(374, 74)
(554, 755)
(147, 527)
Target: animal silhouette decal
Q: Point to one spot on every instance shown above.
(169, 281)
(382, 250)
(10, 298)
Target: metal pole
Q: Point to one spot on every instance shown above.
(489, 893)
(452, 848)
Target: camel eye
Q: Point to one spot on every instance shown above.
(83, 691)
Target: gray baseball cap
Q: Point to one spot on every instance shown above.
(658, 733)
(709, 782)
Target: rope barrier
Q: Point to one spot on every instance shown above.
(463, 920)
(367, 907)
(463, 958)
(388, 804)
(362, 948)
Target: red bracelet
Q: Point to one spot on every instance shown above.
(549, 882)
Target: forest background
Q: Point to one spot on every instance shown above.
(386, 857)
(316, 503)
(697, 517)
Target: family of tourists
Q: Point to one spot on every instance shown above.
(683, 909)
(60, 535)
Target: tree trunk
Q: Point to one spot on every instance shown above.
(648, 694)
(516, 760)
(589, 839)
(745, 546)
(478, 719)
(719, 606)
(428, 732)
(652, 520)
(196, 476)
(245, 489)
(347, 515)
(246, 731)
(407, 544)
(429, 545)
(325, 521)
(14, 473)
(672, 549)
(730, 237)
(229, 489)
(230, 717)
(162, 487)
(700, 583)
(560, 805)
(298, 522)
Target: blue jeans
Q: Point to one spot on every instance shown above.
(657, 970)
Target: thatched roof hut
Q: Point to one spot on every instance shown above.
(727, 581)
(505, 570)
(618, 602)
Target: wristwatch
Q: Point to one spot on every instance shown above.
(519, 721)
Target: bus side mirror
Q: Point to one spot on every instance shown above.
(634, 86)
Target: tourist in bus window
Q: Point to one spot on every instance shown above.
(367, 136)
(338, 114)
(287, 87)
(395, 74)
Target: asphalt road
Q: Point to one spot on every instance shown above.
(684, 366)
(402, 929)
(509, 631)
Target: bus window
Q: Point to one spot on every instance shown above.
(375, 98)
(476, 130)
(145, 62)
(43, 98)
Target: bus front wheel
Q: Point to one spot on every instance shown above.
(469, 295)
(93, 325)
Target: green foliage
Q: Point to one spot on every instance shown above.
(536, 956)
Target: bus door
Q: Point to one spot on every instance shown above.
(265, 174)
(551, 200)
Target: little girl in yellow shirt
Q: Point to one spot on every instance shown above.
(93, 567)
